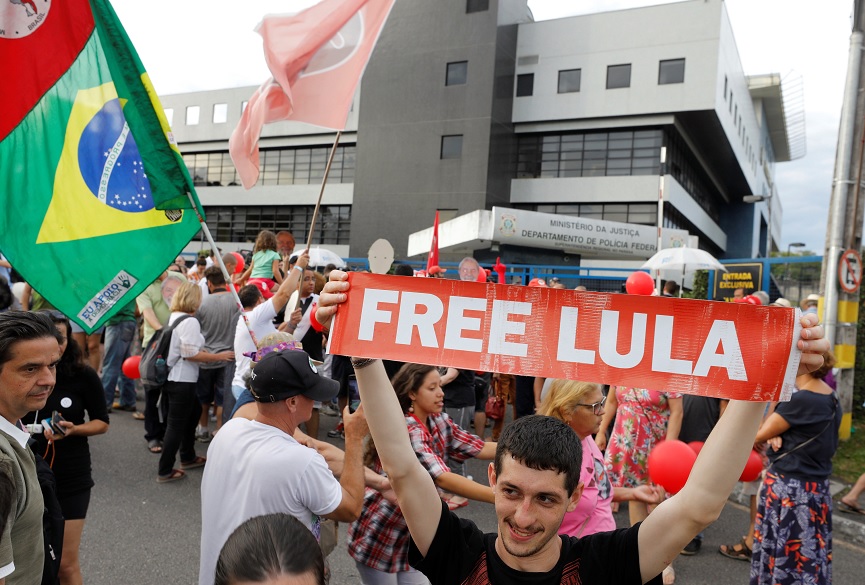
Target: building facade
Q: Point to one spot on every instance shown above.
(470, 104)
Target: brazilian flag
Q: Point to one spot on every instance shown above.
(95, 200)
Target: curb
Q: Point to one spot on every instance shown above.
(843, 526)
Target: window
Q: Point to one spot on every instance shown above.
(452, 146)
(725, 88)
(477, 6)
(457, 73)
(220, 113)
(243, 223)
(447, 214)
(192, 114)
(169, 115)
(618, 76)
(525, 84)
(243, 105)
(278, 166)
(671, 71)
(569, 80)
(589, 154)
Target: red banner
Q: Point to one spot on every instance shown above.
(709, 348)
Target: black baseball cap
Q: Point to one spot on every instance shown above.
(290, 372)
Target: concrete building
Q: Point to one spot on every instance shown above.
(468, 105)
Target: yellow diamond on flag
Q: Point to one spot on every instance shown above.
(100, 186)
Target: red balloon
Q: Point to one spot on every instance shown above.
(241, 264)
(640, 283)
(696, 446)
(130, 367)
(753, 467)
(670, 463)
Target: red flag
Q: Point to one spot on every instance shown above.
(433, 259)
(316, 58)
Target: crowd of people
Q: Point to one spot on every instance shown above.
(271, 491)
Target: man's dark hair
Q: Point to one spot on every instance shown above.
(249, 296)
(265, 547)
(403, 270)
(542, 442)
(671, 287)
(215, 276)
(18, 326)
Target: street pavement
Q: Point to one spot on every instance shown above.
(138, 531)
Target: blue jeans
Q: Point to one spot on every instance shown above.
(118, 341)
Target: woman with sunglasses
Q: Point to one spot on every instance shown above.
(580, 405)
(77, 392)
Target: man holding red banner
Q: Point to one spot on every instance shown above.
(535, 479)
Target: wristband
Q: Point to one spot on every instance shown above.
(298, 267)
(313, 322)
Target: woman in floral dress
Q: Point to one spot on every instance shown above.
(643, 418)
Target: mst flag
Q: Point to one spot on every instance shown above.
(316, 58)
(91, 181)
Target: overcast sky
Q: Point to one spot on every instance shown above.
(197, 45)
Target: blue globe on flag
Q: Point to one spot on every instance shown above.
(106, 153)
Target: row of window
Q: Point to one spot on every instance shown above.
(638, 213)
(589, 154)
(618, 76)
(243, 223)
(733, 107)
(618, 153)
(283, 166)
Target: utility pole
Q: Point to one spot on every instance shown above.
(840, 310)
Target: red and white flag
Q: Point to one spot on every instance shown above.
(317, 58)
(433, 259)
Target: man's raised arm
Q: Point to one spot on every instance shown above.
(675, 522)
(415, 490)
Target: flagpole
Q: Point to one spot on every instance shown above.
(318, 206)
(225, 273)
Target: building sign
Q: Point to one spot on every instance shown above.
(598, 238)
(725, 350)
(745, 276)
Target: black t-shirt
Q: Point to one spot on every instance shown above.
(808, 415)
(461, 554)
(460, 392)
(73, 396)
(700, 414)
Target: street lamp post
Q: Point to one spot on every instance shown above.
(787, 265)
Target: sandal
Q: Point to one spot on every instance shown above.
(194, 464)
(138, 415)
(154, 446)
(455, 502)
(850, 508)
(173, 476)
(738, 551)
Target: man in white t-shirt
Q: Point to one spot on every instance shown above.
(255, 467)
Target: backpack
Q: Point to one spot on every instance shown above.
(153, 367)
(52, 520)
